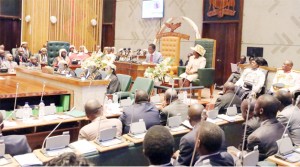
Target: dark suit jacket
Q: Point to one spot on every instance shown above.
(265, 138)
(16, 145)
(252, 125)
(176, 107)
(223, 102)
(220, 159)
(114, 85)
(143, 110)
(17, 59)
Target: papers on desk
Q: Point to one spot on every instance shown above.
(138, 136)
(177, 129)
(57, 152)
(75, 113)
(234, 67)
(9, 123)
(84, 147)
(230, 118)
(215, 121)
(187, 124)
(111, 142)
(4, 161)
(28, 160)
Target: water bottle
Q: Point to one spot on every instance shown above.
(26, 112)
(41, 110)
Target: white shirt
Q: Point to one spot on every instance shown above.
(195, 64)
(289, 79)
(253, 76)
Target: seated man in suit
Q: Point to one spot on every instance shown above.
(91, 73)
(208, 145)
(114, 84)
(270, 129)
(10, 64)
(187, 142)
(159, 146)
(228, 99)
(197, 61)
(94, 112)
(252, 80)
(153, 56)
(14, 144)
(33, 62)
(289, 111)
(253, 121)
(173, 107)
(64, 69)
(141, 109)
(288, 78)
(20, 57)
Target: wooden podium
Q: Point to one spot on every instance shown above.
(133, 69)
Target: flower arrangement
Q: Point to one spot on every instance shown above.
(94, 60)
(160, 70)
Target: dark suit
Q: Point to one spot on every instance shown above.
(252, 125)
(114, 85)
(219, 159)
(223, 102)
(144, 110)
(16, 145)
(17, 59)
(176, 107)
(265, 138)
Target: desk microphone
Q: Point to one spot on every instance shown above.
(132, 113)
(98, 133)
(194, 151)
(235, 92)
(170, 103)
(43, 145)
(288, 123)
(15, 104)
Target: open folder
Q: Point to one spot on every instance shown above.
(234, 67)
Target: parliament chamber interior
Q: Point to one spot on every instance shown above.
(149, 83)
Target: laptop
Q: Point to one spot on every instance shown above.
(287, 151)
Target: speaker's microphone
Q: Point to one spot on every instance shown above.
(15, 104)
(43, 145)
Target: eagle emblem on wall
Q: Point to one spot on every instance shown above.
(220, 8)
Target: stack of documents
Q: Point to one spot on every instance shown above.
(84, 147)
(28, 160)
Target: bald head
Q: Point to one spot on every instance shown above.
(141, 96)
(9, 57)
(228, 87)
(93, 108)
(266, 107)
(194, 113)
(287, 65)
(170, 93)
(284, 97)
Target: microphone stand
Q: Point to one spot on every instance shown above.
(15, 104)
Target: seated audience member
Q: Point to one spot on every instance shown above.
(68, 159)
(187, 142)
(208, 145)
(43, 57)
(91, 73)
(228, 99)
(98, 50)
(196, 62)
(33, 62)
(2, 47)
(141, 109)
(287, 77)
(114, 84)
(94, 112)
(2, 57)
(188, 58)
(9, 63)
(270, 129)
(263, 62)
(289, 111)
(24, 47)
(252, 80)
(81, 56)
(253, 121)
(158, 146)
(20, 58)
(63, 68)
(72, 50)
(235, 76)
(62, 55)
(173, 107)
(153, 56)
(14, 144)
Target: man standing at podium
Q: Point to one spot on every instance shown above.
(152, 56)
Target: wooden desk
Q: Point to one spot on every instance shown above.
(7, 74)
(132, 69)
(133, 140)
(281, 162)
(102, 149)
(83, 90)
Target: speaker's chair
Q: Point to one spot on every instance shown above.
(53, 48)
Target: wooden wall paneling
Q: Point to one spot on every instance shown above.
(10, 32)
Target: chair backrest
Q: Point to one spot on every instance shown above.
(125, 81)
(170, 47)
(53, 48)
(210, 47)
(140, 83)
